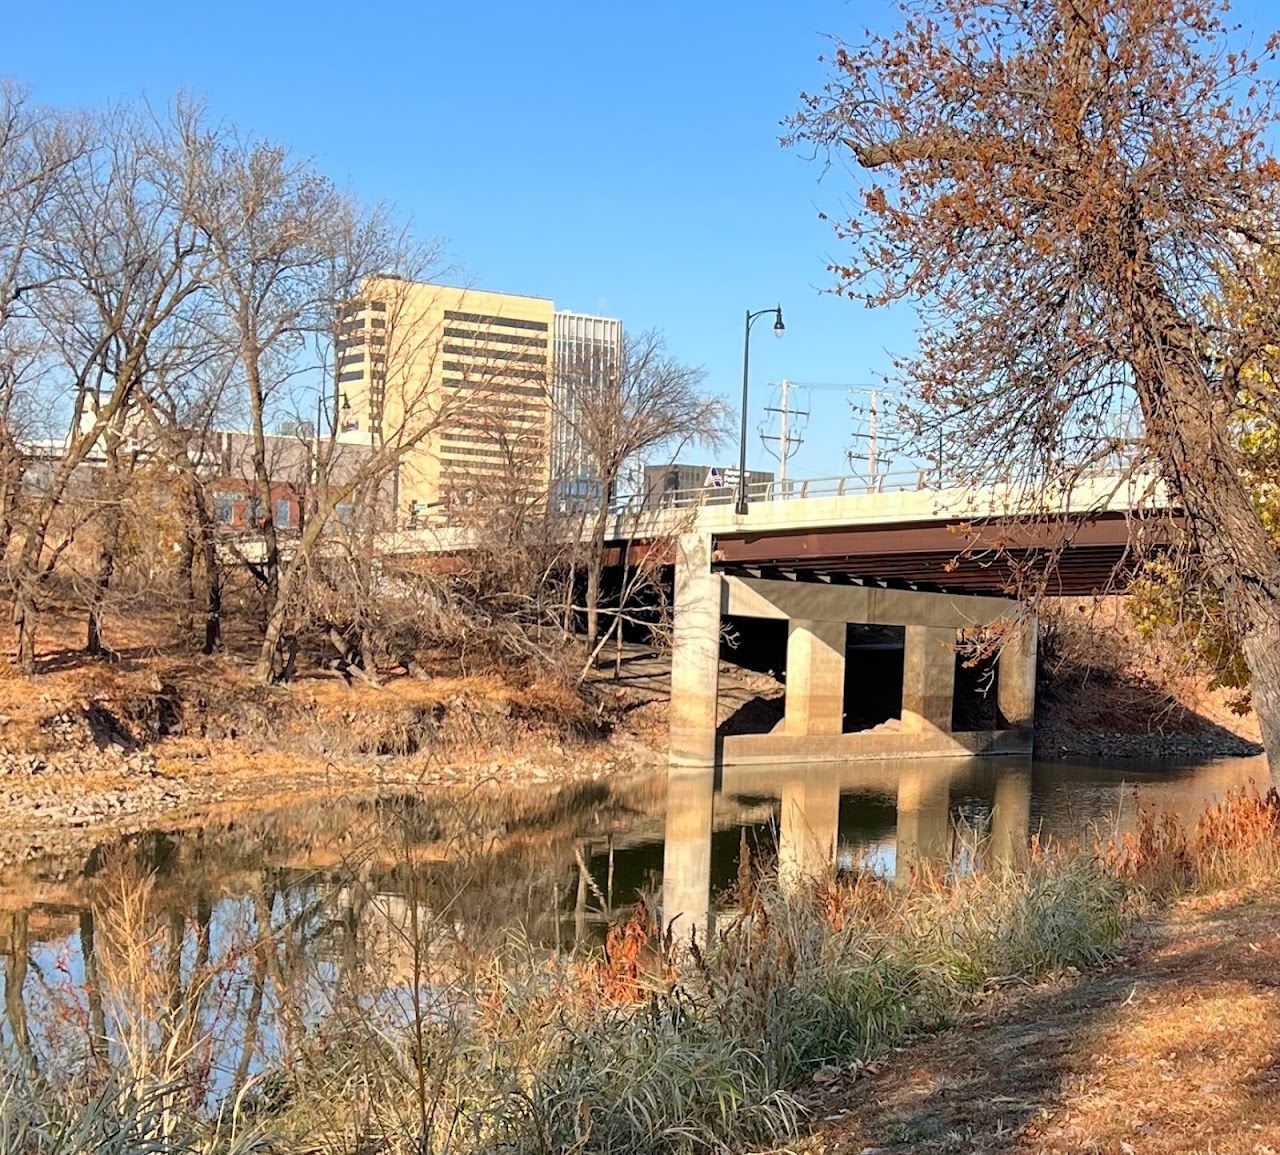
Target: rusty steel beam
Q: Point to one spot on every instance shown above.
(959, 556)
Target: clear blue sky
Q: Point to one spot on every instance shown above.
(619, 158)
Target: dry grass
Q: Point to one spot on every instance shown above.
(1235, 842)
(1174, 1049)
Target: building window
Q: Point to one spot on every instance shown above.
(284, 513)
(486, 319)
(224, 507)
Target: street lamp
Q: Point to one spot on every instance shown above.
(778, 329)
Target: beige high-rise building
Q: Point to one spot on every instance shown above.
(472, 367)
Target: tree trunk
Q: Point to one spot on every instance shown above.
(213, 615)
(262, 478)
(187, 567)
(595, 568)
(24, 623)
(1188, 420)
(265, 670)
(207, 538)
(106, 569)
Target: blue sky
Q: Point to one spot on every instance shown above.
(619, 158)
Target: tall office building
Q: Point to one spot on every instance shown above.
(586, 356)
(497, 378)
(473, 367)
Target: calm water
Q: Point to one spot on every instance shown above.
(341, 883)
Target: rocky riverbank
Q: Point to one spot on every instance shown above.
(1053, 743)
(112, 750)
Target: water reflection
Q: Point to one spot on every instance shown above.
(364, 899)
(895, 817)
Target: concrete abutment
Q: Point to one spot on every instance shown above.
(817, 616)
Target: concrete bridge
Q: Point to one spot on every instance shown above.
(903, 553)
(932, 563)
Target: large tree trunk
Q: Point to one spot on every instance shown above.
(1188, 420)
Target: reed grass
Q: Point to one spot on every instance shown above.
(649, 1047)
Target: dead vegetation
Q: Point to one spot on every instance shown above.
(1099, 675)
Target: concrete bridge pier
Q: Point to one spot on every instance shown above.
(695, 654)
(817, 616)
(1016, 683)
(815, 676)
(928, 677)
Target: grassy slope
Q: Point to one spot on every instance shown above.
(1175, 1049)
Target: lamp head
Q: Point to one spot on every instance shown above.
(778, 327)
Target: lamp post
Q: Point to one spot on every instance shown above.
(778, 329)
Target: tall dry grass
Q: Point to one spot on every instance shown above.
(1234, 843)
(400, 1037)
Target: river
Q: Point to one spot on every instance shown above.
(335, 877)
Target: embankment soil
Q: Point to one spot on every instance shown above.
(99, 746)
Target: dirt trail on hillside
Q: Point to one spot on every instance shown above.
(1174, 1050)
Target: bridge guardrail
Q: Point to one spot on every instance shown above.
(635, 505)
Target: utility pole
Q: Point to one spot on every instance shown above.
(873, 462)
(788, 442)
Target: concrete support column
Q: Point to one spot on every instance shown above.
(1016, 681)
(815, 677)
(686, 852)
(924, 817)
(928, 677)
(695, 654)
(1011, 816)
(810, 825)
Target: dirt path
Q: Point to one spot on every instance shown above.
(1176, 1050)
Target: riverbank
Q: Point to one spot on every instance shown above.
(116, 747)
(1120, 998)
(1174, 1049)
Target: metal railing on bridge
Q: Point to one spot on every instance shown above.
(797, 489)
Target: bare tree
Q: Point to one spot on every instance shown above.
(119, 260)
(36, 146)
(618, 410)
(378, 268)
(1059, 186)
(270, 220)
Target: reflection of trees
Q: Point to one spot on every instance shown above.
(209, 955)
(15, 982)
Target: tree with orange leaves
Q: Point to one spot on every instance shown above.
(1061, 188)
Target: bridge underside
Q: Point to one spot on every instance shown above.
(954, 556)
(817, 706)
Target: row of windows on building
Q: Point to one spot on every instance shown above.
(236, 510)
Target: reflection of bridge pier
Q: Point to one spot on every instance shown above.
(810, 824)
(686, 856)
(1011, 816)
(924, 818)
